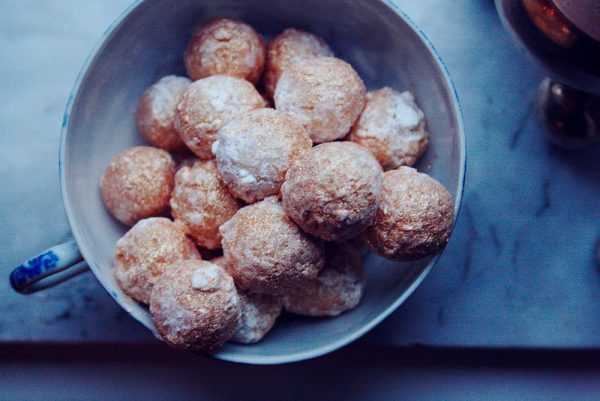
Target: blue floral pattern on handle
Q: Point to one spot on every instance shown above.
(34, 268)
(49, 262)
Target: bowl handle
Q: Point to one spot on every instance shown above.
(27, 277)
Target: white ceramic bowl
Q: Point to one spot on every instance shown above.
(147, 42)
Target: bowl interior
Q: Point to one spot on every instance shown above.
(148, 42)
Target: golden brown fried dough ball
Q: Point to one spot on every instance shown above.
(209, 104)
(194, 305)
(156, 113)
(259, 313)
(225, 46)
(149, 248)
(414, 218)
(338, 288)
(324, 94)
(266, 252)
(333, 190)
(254, 152)
(392, 127)
(289, 47)
(137, 184)
(202, 202)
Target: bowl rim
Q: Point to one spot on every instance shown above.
(297, 356)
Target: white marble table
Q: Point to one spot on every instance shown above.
(518, 272)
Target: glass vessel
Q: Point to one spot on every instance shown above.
(564, 37)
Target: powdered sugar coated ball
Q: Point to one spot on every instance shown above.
(156, 113)
(254, 151)
(225, 46)
(194, 305)
(324, 94)
(333, 190)
(259, 313)
(145, 252)
(201, 201)
(392, 127)
(137, 184)
(338, 288)
(209, 104)
(266, 252)
(414, 218)
(289, 47)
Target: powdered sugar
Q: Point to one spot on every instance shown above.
(265, 252)
(137, 184)
(246, 177)
(165, 93)
(392, 127)
(333, 190)
(143, 224)
(207, 105)
(407, 117)
(174, 318)
(339, 286)
(254, 152)
(259, 313)
(195, 305)
(207, 278)
(151, 247)
(415, 216)
(202, 202)
(225, 46)
(156, 112)
(214, 147)
(324, 94)
(287, 48)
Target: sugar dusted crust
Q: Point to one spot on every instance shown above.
(392, 127)
(338, 288)
(266, 252)
(146, 251)
(414, 219)
(324, 94)
(289, 47)
(156, 113)
(209, 104)
(225, 46)
(137, 184)
(333, 190)
(259, 313)
(202, 203)
(254, 152)
(194, 305)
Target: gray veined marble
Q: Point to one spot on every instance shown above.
(519, 271)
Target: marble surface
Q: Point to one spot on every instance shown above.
(519, 270)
